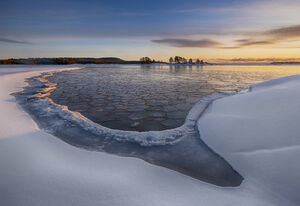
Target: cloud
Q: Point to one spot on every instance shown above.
(267, 37)
(284, 32)
(253, 42)
(176, 42)
(6, 40)
(256, 38)
(209, 43)
(271, 36)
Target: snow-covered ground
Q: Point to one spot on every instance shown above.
(255, 132)
(259, 134)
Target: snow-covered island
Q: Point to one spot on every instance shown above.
(256, 132)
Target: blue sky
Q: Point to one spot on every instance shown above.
(214, 29)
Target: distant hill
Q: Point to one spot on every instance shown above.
(67, 60)
(279, 63)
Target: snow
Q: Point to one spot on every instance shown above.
(39, 169)
(258, 133)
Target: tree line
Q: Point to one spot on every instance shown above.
(175, 60)
(148, 60)
(105, 60)
(67, 60)
(182, 60)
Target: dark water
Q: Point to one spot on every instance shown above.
(145, 98)
(180, 149)
(111, 94)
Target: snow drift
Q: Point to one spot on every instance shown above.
(259, 134)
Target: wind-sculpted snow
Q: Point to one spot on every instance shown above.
(258, 133)
(180, 149)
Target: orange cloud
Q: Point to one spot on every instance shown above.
(188, 42)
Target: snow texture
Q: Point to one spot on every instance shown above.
(39, 169)
(259, 134)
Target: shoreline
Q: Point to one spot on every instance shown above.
(169, 144)
(108, 179)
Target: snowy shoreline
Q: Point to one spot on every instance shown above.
(39, 169)
(180, 149)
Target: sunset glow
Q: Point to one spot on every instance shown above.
(217, 31)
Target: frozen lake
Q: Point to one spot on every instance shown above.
(113, 94)
(151, 98)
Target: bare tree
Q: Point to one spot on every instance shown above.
(145, 60)
(178, 59)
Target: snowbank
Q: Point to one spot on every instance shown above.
(39, 169)
(259, 134)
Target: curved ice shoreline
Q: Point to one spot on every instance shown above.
(180, 149)
(40, 88)
(37, 168)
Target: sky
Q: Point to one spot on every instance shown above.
(213, 30)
